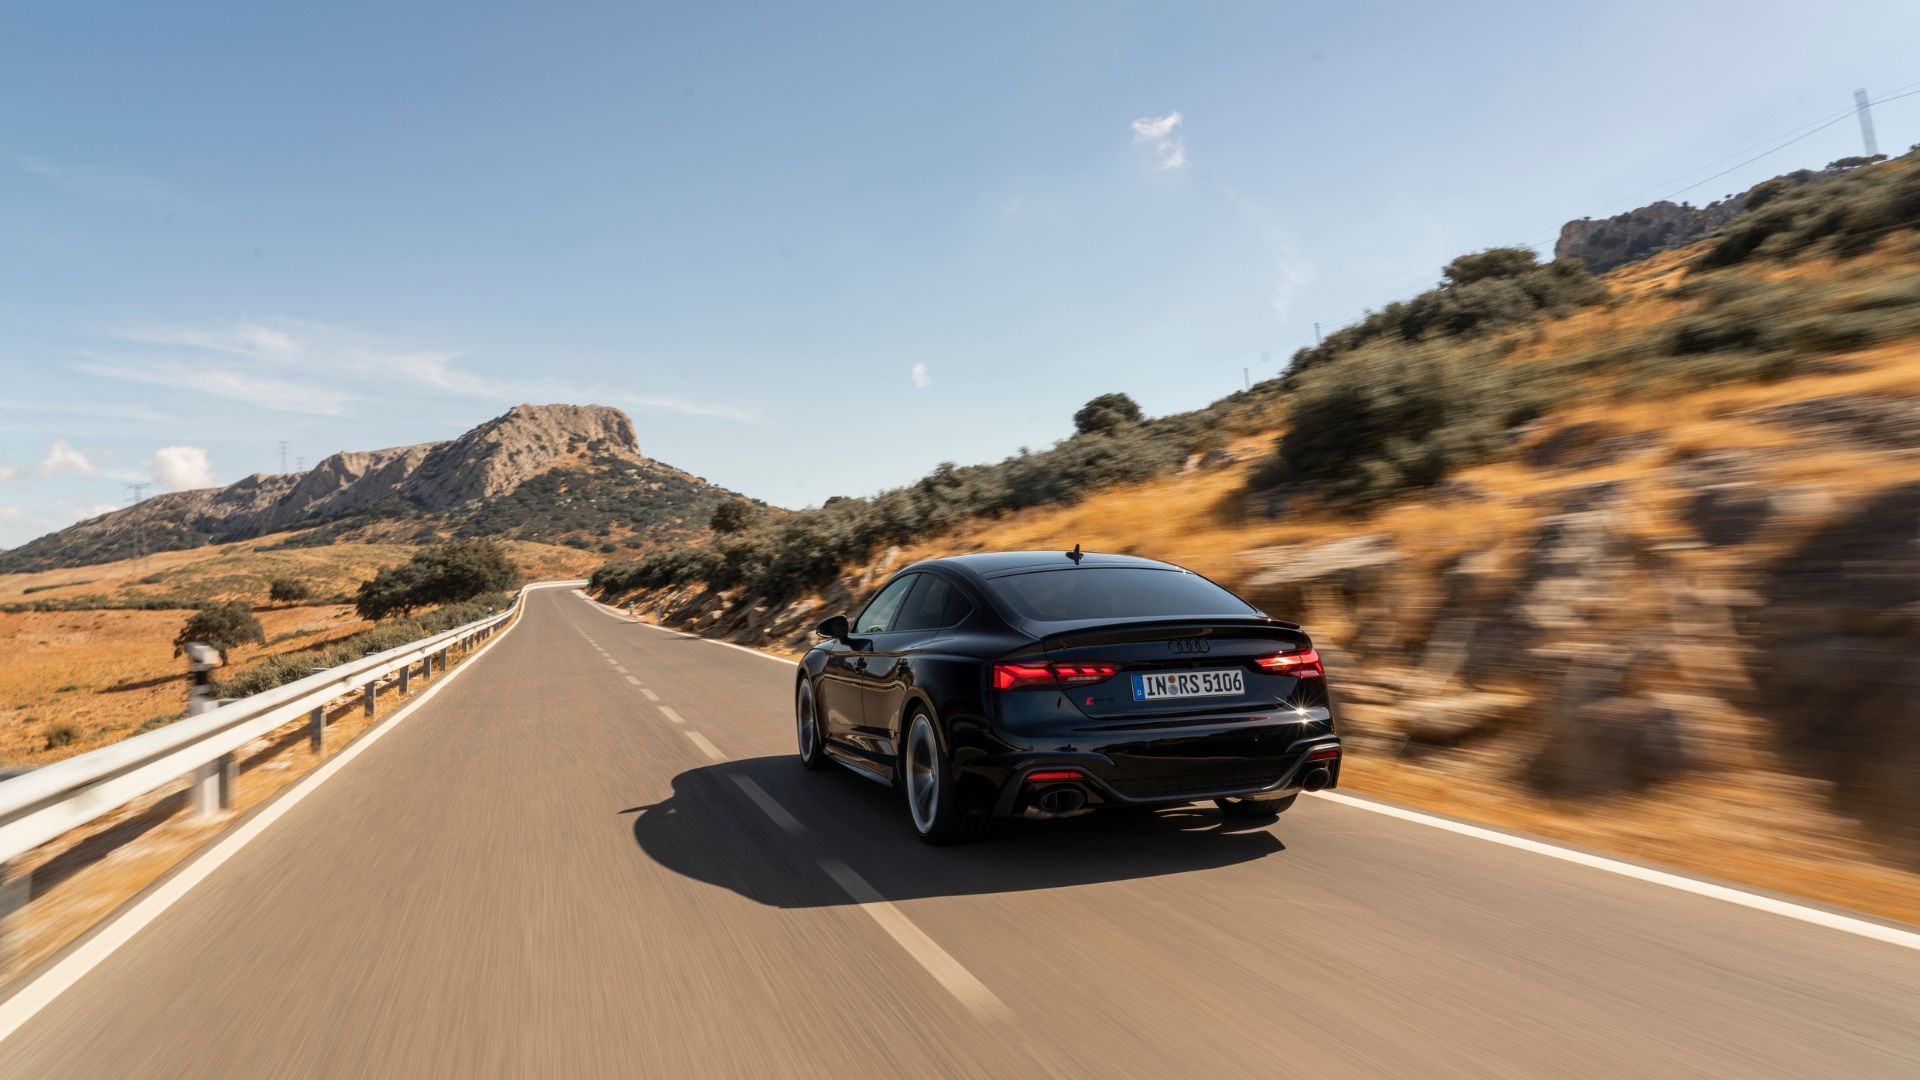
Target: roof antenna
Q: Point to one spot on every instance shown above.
(1076, 555)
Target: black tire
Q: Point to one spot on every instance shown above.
(806, 725)
(933, 803)
(1254, 808)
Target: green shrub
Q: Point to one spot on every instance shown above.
(443, 574)
(1484, 291)
(286, 590)
(56, 735)
(1106, 412)
(1388, 419)
(222, 626)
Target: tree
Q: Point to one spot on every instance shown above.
(1106, 412)
(735, 515)
(443, 574)
(1766, 191)
(1856, 161)
(285, 590)
(1500, 262)
(222, 626)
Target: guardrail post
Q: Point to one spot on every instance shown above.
(406, 678)
(317, 728)
(15, 891)
(368, 699)
(212, 789)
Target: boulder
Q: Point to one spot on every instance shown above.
(1600, 737)
(1832, 657)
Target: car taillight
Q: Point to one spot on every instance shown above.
(1300, 665)
(1055, 775)
(1050, 676)
(1325, 753)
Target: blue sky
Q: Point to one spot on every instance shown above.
(812, 252)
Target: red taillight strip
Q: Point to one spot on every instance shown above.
(1325, 753)
(1044, 676)
(1057, 774)
(1301, 665)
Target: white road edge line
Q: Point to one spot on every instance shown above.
(53, 982)
(671, 715)
(1890, 935)
(705, 746)
(750, 651)
(959, 982)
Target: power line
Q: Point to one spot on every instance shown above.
(1790, 136)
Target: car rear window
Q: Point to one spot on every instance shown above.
(1114, 592)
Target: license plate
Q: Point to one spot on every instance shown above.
(1187, 684)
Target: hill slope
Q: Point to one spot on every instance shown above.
(557, 473)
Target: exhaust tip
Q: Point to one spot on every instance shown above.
(1064, 800)
(1317, 780)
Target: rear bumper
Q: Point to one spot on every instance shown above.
(1245, 759)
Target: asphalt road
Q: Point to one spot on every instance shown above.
(593, 854)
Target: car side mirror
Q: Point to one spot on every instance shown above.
(834, 626)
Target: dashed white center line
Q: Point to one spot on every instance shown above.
(939, 963)
(671, 715)
(633, 680)
(619, 669)
(705, 746)
(651, 696)
(786, 821)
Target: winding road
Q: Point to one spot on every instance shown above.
(592, 853)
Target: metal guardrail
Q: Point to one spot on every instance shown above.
(40, 805)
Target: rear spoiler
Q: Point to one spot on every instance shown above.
(1050, 634)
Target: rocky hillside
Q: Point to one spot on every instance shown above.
(558, 473)
(1636, 234)
(1640, 572)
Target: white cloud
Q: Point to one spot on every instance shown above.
(922, 378)
(1153, 130)
(1158, 133)
(105, 185)
(8, 513)
(264, 391)
(63, 458)
(310, 367)
(8, 472)
(1295, 274)
(181, 468)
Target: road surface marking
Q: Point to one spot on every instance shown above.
(705, 746)
(41, 992)
(786, 821)
(671, 715)
(619, 669)
(959, 982)
(633, 680)
(1833, 920)
(651, 696)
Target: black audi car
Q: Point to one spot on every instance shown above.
(1051, 684)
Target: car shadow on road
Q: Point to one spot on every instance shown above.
(711, 829)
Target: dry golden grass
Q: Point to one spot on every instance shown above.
(100, 674)
(242, 570)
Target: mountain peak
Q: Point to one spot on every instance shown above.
(542, 472)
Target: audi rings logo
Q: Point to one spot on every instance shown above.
(1190, 645)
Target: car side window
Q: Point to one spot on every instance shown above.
(880, 610)
(926, 605)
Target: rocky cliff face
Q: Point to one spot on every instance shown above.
(1636, 234)
(447, 482)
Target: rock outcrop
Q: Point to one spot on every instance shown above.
(1636, 234)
